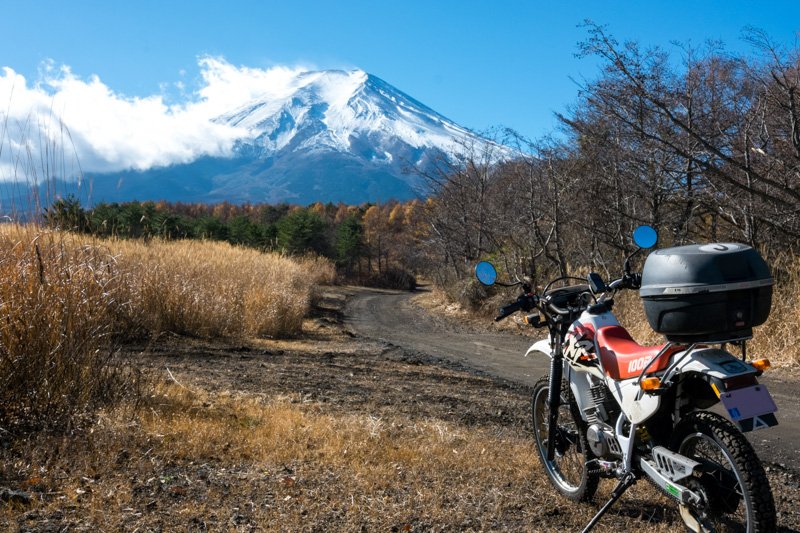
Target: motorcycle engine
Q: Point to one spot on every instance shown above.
(602, 442)
(603, 408)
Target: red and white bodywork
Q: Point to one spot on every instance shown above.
(600, 348)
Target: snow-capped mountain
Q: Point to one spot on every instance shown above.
(334, 110)
(328, 135)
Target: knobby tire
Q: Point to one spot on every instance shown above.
(741, 499)
(568, 472)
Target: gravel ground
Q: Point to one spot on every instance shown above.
(331, 367)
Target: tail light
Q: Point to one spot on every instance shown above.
(739, 382)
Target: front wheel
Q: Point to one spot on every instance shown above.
(734, 490)
(568, 471)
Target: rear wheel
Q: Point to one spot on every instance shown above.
(735, 493)
(568, 471)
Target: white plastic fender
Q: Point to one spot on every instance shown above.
(712, 362)
(541, 346)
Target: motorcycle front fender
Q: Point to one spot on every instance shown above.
(542, 346)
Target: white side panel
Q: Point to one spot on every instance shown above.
(625, 392)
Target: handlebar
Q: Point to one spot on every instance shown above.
(525, 302)
(563, 311)
(628, 281)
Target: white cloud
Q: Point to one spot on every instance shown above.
(61, 116)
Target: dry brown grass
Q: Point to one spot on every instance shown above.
(200, 462)
(214, 289)
(64, 298)
(319, 269)
(777, 338)
(58, 299)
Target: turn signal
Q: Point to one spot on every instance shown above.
(761, 364)
(650, 383)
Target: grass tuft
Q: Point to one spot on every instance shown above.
(58, 299)
(213, 289)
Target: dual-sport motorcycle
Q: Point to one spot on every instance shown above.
(611, 408)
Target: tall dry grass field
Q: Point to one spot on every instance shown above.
(64, 298)
(214, 289)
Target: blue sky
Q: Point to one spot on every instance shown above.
(479, 63)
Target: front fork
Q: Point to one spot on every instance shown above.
(554, 399)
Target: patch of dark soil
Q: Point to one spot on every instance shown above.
(326, 365)
(361, 376)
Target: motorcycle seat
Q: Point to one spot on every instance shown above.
(624, 358)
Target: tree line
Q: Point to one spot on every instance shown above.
(701, 143)
(368, 242)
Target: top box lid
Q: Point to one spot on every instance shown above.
(703, 268)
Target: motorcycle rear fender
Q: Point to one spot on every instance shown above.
(750, 407)
(713, 364)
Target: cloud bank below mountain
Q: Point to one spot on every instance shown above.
(78, 125)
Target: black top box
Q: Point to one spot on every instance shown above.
(706, 292)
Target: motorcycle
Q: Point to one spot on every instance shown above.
(611, 408)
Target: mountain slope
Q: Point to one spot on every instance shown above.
(329, 136)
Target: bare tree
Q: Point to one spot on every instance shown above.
(717, 119)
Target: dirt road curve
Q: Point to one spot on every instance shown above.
(391, 317)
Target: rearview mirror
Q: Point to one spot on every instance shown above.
(486, 273)
(645, 237)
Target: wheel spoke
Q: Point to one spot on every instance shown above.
(567, 471)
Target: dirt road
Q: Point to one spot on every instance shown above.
(392, 317)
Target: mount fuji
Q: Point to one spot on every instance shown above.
(324, 136)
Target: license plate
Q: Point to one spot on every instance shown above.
(748, 407)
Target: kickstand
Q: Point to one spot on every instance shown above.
(624, 484)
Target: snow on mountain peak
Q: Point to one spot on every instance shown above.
(332, 109)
